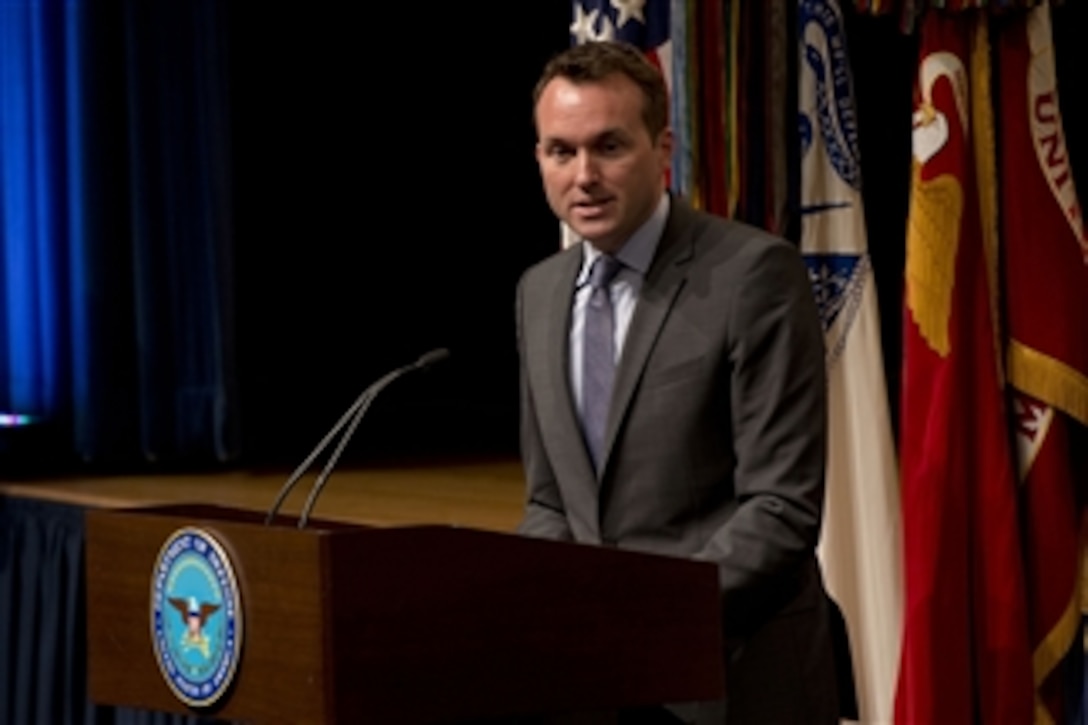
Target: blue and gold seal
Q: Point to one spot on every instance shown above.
(196, 617)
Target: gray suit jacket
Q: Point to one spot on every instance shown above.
(715, 445)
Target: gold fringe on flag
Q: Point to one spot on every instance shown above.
(1049, 380)
(984, 136)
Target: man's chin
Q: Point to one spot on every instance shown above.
(598, 234)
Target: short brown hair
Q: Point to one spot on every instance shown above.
(596, 60)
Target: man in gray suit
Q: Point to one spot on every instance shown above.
(712, 445)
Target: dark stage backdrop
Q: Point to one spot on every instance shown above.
(387, 201)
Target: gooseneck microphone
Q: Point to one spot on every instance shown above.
(351, 417)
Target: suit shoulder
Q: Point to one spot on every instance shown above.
(719, 237)
(551, 267)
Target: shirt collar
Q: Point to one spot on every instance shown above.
(638, 251)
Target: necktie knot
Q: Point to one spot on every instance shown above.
(603, 271)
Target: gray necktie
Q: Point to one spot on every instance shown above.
(599, 358)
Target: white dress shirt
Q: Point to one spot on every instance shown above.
(636, 254)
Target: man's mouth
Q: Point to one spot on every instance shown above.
(592, 207)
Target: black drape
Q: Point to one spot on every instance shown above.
(43, 622)
(42, 665)
(176, 70)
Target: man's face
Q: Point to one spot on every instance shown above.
(603, 174)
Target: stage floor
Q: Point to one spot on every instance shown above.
(482, 495)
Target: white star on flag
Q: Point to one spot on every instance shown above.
(582, 27)
(608, 30)
(628, 9)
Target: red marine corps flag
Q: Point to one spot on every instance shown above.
(1046, 272)
(965, 656)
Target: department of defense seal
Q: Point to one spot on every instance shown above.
(196, 616)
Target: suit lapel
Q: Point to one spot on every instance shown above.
(662, 284)
(569, 434)
(570, 458)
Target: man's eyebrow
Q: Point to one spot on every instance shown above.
(607, 134)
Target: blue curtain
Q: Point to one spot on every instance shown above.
(115, 228)
(33, 206)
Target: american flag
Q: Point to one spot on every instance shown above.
(643, 23)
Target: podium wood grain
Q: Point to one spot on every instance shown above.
(484, 494)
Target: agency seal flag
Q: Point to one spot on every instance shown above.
(860, 546)
(196, 616)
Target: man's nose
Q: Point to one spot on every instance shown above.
(587, 172)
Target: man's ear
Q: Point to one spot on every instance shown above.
(664, 144)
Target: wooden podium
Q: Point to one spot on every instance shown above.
(346, 623)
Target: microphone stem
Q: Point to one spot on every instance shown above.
(362, 402)
(355, 415)
(363, 398)
(343, 442)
